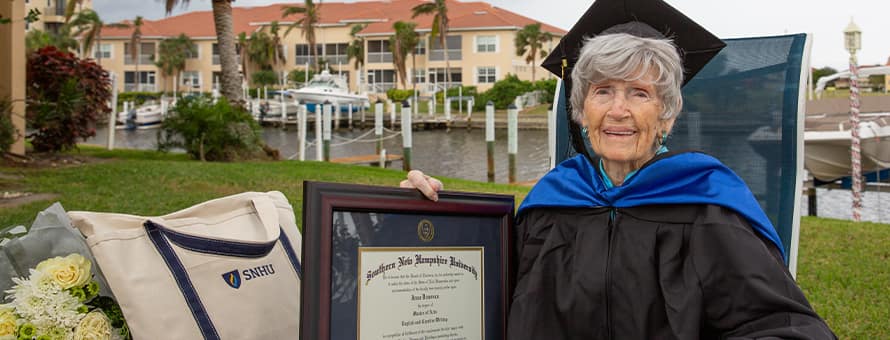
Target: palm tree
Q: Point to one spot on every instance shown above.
(356, 48)
(260, 50)
(439, 10)
(70, 7)
(277, 48)
(136, 49)
(225, 37)
(403, 41)
(37, 39)
(89, 27)
(173, 53)
(311, 16)
(243, 43)
(530, 39)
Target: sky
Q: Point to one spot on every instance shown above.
(825, 20)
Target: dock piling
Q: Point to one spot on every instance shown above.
(489, 137)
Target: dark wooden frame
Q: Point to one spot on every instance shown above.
(321, 199)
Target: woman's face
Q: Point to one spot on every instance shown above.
(622, 120)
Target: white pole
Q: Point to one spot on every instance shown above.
(415, 105)
(406, 136)
(306, 75)
(392, 114)
(470, 109)
(378, 124)
(512, 131)
(283, 108)
(112, 119)
(318, 146)
(448, 109)
(301, 129)
(336, 108)
(489, 138)
(432, 106)
(326, 126)
(349, 119)
(460, 98)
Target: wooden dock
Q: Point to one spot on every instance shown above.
(366, 159)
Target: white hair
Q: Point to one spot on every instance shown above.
(622, 56)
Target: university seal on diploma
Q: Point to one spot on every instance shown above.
(386, 263)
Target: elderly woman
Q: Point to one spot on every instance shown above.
(640, 242)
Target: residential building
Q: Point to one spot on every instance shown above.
(480, 45)
(52, 15)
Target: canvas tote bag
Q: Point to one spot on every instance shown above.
(223, 269)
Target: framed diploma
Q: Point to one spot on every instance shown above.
(386, 263)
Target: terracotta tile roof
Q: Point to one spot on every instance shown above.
(461, 15)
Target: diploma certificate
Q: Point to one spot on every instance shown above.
(421, 293)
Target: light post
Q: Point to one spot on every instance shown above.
(853, 42)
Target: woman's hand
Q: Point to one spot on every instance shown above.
(427, 185)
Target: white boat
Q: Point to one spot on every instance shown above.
(144, 117)
(327, 87)
(827, 144)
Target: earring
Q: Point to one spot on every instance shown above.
(664, 138)
(584, 131)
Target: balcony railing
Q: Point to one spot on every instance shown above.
(130, 87)
(54, 10)
(439, 55)
(145, 59)
(379, 57)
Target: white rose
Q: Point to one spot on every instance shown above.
(69, 271)
(94, 326)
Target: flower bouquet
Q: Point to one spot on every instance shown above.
(49, 287)
(60, 300)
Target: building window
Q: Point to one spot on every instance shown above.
(486, 75)
(146, 81)
(191, 80)
(195, 54)
(381, 80)
(454, 48)
(335, 54)
(486, 43)
(216, 79)
(421, 47)
(215, 51)
(102, 51)
(379, 52)
(303, 56)
(146, 54)
(419, 76)
(437, 76)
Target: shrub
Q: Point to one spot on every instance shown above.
(211, 132)
(8, 133)
(299, 76)
(398, 96)
(549, 88)
(505, 91)
(264, 78)
(66, 96)
(137, 97)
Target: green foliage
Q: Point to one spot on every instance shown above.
(401, 43)
(398, 96)
(8, 133)
(356, 49)
(66, 96)
(505, 91)
(548, 86)
(173, 52)
(529, 42)
(37, 39)
(821, 72)
(212, 132)
(137, 97)
(264, 78)
(300, 76)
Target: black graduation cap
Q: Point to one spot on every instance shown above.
(697, 46)
(645, 18)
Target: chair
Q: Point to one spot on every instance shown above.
(746, 107)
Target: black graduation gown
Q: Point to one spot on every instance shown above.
(690, 271)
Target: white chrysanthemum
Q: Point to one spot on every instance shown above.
(44, 304)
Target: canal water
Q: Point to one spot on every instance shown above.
(462, 154)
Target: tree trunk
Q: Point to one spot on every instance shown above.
(447, 64)
(534, 57)
(230, 81)
(138, 61)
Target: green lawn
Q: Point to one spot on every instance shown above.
(844, 267)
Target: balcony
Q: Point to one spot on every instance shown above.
(145, 59)
(439, 55)
(54, 11)
(131, 87)
(379, 57)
